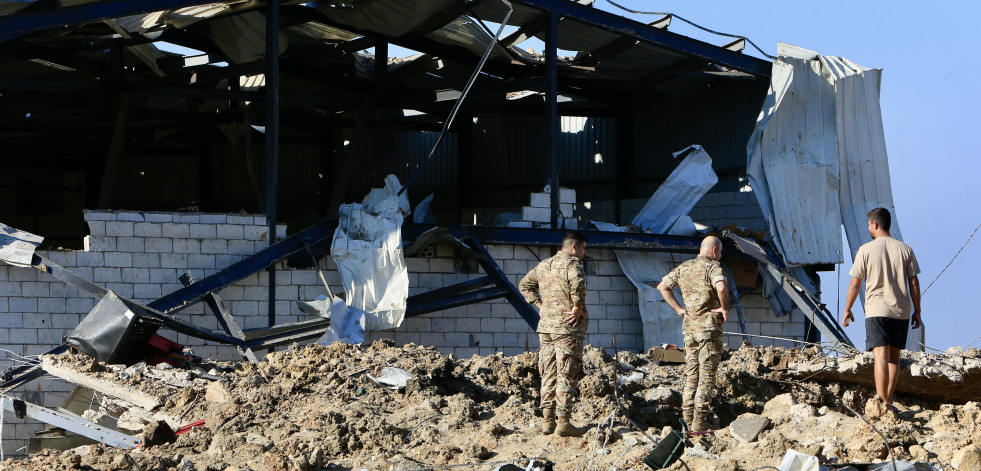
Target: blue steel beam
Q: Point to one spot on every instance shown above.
(658, 37)
(22, 23)
(453, 290)
(189, 295)
(417, 308)
(484, 259)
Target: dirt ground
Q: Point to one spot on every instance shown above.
(313, 408)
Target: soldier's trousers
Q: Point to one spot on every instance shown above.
(703, 353)
(560, 364)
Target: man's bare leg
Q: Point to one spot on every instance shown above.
(893, 372)
(880, 369)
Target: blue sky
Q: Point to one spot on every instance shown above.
(930, 104)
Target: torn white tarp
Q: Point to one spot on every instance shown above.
(680, 191)
(793, 160)
(367, 250)
(346, 322)
(392, 377)
(16, 246)
(665, 212)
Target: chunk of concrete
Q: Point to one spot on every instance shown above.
(748, 427)
(968, 457)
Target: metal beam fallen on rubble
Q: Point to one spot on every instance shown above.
(68, 421)
(813, 310)
(109, 388)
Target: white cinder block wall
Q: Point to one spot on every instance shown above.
(140, 255)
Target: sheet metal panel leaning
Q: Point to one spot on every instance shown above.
(557, 287)
(703, 286)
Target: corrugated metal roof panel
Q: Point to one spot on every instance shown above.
(243, 37)
(865, 182)
(794, 163)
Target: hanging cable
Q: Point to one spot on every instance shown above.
(719, 33)
(955, 258)
(463, 96)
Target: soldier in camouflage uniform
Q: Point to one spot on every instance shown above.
(703, 287)
(557, 287)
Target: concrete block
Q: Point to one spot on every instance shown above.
(286, 292)
(202, 231)
(213, 219)
(457, 339)
(431, 339)
(119, 229)
(175, 230)
(162, 275)
(187, 218)
(609, 326)
(241, 247)
(430, 280)
(565, 210)
(793, 330)
(465, 353)
(521, 253)
(51, 305)
(480, 310)
(98, 215)
(24, 336)
(97, 228)
(10, 288)
(147, 291)
(130, 216)
(230, 231)
(107, 275)
(418, 324)
(540, 200)
(519, 224)
(187, 246)
(774, 329)
(173, 260)
(12, 320)
(50, 336)
(502, 340)
(65, 259)
(99, 244)
(34, 289)
(515, 267)
(158, 217)
(255, 293)
(4, 304)
(77, 305)
(122, 289)
(536, 214)
(501, 252)
(609, 298)
(607, 268)
(441, 265)
(146, 229)
(256, 233)
(159, 245)
(118, 259)
(567, 195)
(492, 324)
(244, 308)
(440, 324)
(570, 223)
(467, 324)
(516, 326)
(214, 246)
(483, 339)
(240, 219)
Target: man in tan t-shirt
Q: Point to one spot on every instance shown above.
(889, 269)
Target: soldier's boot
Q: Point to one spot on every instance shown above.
(548, 425)
(564, 428)
(687, 415)
(698, 423)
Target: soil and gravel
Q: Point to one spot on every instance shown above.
(314, 408)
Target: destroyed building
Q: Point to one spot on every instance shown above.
(138, 164)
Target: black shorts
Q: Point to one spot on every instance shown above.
(881, 331)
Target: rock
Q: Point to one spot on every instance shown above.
(876, 407)
(968, 457)
(157, 433)
(217, 392)
(779, 406)
(748, 427)
(661, 394)
(801, 412)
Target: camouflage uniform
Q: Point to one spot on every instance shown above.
(559, 283)
(702, 328)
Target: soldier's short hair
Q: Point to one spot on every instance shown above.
(573, 237)
(881, 217)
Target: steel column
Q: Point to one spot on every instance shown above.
(552, 112)
(272, 138)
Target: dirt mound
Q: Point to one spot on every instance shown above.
(315, 407)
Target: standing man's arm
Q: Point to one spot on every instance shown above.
(668, 296)
(529, 288)
(914, 292)
(723, 291)
(577, 294)
(850, 298)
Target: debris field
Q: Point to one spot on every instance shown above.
(315, 408)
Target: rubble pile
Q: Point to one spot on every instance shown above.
(317, 407)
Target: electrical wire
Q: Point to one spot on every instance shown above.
(952, 260)
(719, 33)
(459, 101)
